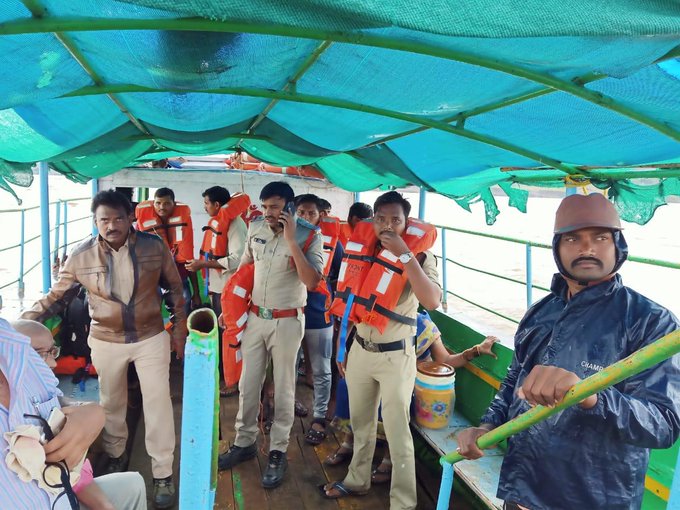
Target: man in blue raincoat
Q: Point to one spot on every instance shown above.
(595, 454)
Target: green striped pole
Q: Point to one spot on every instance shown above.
(637, 362)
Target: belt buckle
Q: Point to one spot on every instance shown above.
(370, 346)
(265, 313)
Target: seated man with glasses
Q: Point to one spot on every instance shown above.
(27, 386)
(109, 492)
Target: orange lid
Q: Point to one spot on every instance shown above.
(435, 369)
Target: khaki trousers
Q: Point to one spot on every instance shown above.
(264, 339)
(152, 361)
(390, 376)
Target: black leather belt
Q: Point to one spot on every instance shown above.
(399, 345)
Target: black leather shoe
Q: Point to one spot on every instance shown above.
(235, 455)
(273, 475)
(163, 493)
(117, 464)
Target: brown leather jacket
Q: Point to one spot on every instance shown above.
(90, 265)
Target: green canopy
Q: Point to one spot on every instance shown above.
(452, 96)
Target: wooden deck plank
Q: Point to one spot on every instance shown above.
(224, 498)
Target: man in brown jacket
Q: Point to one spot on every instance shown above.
(122, 271)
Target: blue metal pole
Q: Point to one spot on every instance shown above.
(57, 223)
(95, 190)
(357, 196)
(445, 487)
(421, 204)
(21, 254)
(529, 276)
(571, 191)
(198, 464)
(674, 498)
(445, 294)
(63, 253)
(45, 226)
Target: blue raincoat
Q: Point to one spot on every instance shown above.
(596, 458)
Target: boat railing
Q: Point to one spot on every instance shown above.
(528, 282)
(60, 230)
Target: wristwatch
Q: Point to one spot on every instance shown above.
(405, 258)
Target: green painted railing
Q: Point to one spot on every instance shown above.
(60, 231)
(528, 283)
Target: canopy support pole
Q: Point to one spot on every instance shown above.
(39, 12)
(422, 202)
(289, 86)
(463, 116)
(45, 226)
(342, 104)
(41, 25)
(95, 189)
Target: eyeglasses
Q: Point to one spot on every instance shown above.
(53, 352)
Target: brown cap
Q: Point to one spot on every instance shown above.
(583, 211)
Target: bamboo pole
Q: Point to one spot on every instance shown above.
(637, 362)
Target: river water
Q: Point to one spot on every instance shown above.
(658, 239)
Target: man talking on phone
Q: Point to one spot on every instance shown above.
(287, 254)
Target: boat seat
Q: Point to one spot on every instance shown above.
(481, 475)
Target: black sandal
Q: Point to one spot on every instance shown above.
(300, 409)
(316, 437)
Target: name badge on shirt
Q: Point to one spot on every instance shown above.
(259, 241)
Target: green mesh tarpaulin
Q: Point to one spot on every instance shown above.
(453, 96)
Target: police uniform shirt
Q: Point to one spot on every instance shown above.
(407, 306)
(277, 284)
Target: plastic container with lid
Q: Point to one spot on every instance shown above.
(435, 394)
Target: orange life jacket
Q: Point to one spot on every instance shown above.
(235, 300)
(215, 234)
(178, 232)
(345, 232)
(377, 279)
(330, 231)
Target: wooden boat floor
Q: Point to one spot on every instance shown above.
(240, 488)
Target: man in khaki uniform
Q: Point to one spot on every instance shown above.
(383, 366)
(121, 269)
(287, 254)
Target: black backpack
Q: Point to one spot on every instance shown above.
(75, 326)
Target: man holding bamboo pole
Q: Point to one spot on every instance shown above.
(595, 454)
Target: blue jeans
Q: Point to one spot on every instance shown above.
(320, 348)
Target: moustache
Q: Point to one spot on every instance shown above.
(586, 259)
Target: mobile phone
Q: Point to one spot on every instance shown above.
(290, 209)
(56, 421)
